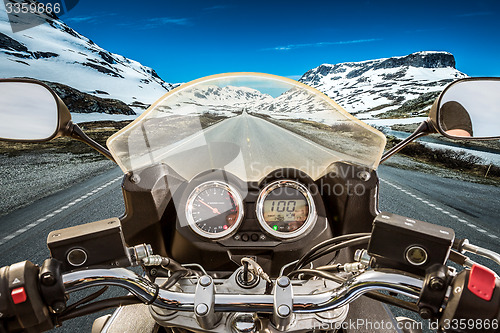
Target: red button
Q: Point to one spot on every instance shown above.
(18, 295)
(481, 282)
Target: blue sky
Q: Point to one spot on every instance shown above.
(185, 40)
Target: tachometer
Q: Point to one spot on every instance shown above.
(285, 209)
(214, 209)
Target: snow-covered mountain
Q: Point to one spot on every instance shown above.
(297, 104)
(223, 101)
(54, 52)
(374, 87)
(214, 95)
(230, 101)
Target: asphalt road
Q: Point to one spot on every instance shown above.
(472, 210)
(23, 233)
(249, 141)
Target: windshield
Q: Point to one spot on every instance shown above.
(249, 125)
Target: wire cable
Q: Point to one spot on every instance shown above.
(316, 273)
(100, 306)
(174, 278)
(392, 301)
(324, 244)
(337, 247)
(334, 248)
(74, 310)
(86, 299)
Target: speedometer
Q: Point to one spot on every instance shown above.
(214, 209)
(285, 209)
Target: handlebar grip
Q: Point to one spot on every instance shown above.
(474, 302)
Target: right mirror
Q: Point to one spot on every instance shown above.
(469, 109)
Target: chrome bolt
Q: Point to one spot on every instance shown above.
(135, 178)
(283, 311)
(283, 282)
(364, 176)
(205, 280)
(201, 309)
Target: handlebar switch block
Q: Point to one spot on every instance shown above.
(406, 244)
(479, 309)
(21, 305)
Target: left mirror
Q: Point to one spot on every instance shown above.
(30, 111)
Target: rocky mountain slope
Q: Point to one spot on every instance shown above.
(54, 52)
(79, 102)
(394, 87)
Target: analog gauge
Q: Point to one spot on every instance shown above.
(214, 209)
(285, 209)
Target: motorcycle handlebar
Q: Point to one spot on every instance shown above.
(150, 293)
(41, 290)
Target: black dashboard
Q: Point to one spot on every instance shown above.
(219, 216)
(216, 219)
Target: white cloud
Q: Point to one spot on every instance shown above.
(319, 44)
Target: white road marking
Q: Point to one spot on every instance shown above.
(440, 209)
(54, 213)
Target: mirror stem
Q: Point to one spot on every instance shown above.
(423, 129)
(78, 134)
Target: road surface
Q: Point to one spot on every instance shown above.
(253, 147)
(472, 210)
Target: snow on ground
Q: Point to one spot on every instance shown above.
(487, 157)
(95, 116)
(391, 122)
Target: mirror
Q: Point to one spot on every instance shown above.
(28, 111)
(470, 109)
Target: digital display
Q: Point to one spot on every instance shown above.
(285, 210)
(285, 215)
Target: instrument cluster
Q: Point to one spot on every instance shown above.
(284, 209)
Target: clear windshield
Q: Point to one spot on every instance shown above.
(249, 125)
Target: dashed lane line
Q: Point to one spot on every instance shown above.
(440, 209)
(58, 211)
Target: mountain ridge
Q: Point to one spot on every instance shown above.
(54, 52)
(371, 88)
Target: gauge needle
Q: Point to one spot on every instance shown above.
(214, 210)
